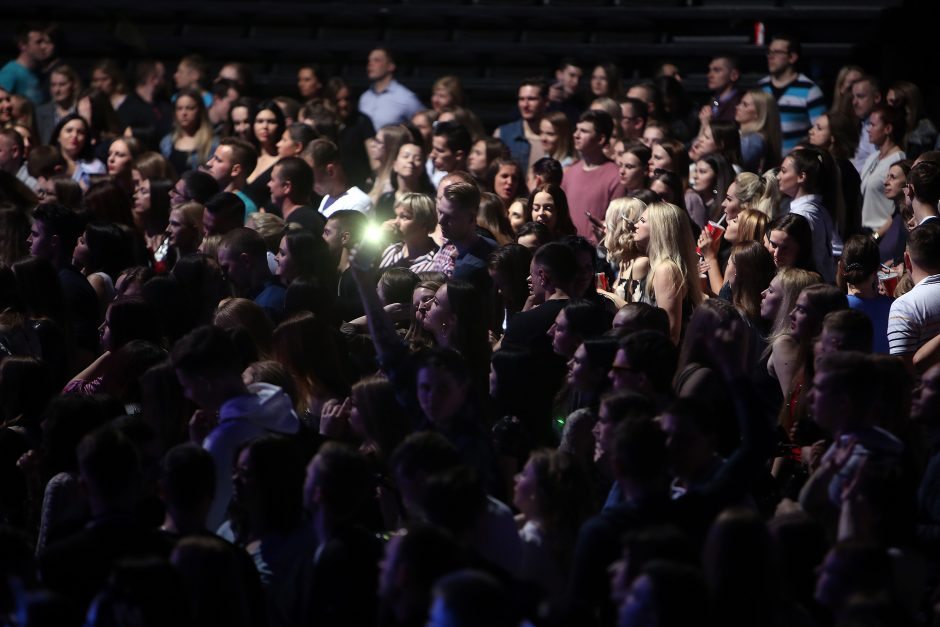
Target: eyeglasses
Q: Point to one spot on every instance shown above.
(771, 52)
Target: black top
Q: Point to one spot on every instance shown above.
(258, 190)
(352, 149)
(82, 303)
(148, 121)
(528, 330)
(309, 218)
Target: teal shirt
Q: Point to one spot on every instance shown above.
(21, 81)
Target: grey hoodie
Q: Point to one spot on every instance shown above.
(268, 409)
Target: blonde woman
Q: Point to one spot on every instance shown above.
(555, 136)
(415, 220)
(622, 252)
(663, 233)
(752, 191)
(759, 119)
(191, 141)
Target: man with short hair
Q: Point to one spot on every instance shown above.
(343, 230)
(646, 362)
(21, 75)
(450, 146)
(922, 193)
(192, 73)
(223, 212)
(224, 93)
(243, 258)
(563, 95)
(594, 180)
(329, 181)
(464, 253)
(799, 99)
(53, 236)
(522, 135)
(915, 316)
(145, 110)
(291, 185)
(193, 186)
(634, 114)
(231, 163)
(209, 368)
(723, 76)
(386, 101)
(866, 93)
(13, 157)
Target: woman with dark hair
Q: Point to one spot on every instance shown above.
(267, 126)
(886, 132)
(668, 185)
(553, 494)
(894, 241)
(294, 139)
(605, 81)
(152, 211)
(719, 137)
(308, 348)
(505, 179)
(102, 253)
(920, 132)
(14, 229)
(509, 268)
(548, 205)
(752, 270)
(713, 176)
(837, 133)
(104, 124)
(482, 154)
(790, 240)
(858, 276)
(579, 320)
(191, 141)
(633, 166)
(810, 177)
(72, 137)
(408, 176)
(239, 119)
(301, 254)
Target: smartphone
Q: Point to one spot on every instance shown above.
(593, 220)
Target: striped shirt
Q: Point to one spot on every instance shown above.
(915, 317)
(394, 257)
(800, 103)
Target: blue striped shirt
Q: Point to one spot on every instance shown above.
(800, 104)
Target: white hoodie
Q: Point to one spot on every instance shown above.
(268, 409)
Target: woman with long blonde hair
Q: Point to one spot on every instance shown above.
(759, 119)
(663, 232)
(622, 251)
(191, 141)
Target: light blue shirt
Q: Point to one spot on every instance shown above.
(393, 106)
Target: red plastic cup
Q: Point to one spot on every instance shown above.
(601, 282)
(715, 231)
(890, 282)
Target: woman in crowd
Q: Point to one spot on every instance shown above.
(505, 178)
(751, 270)
(408, 176)
(191, 142)
(309, 82)
(809, 177)
(294, 139)
(789, 239)
(886, 132)
(64, 87)
(722, 138)
(152, 210)
(663, 233)
(552, 504)
(106, 76)
(622, 252)
(446, 92)
(634, 165)
(747, 226)
(509, 268)
(415, 220)
(492, 219)
(184, 231)
(713, 176)
(102, 252)
(605, 81)
(842, 94)
(122, 154)
(759, 120)
(71, 137)
(858, 276)
(548, 205)
(920, 132)
(267, 125)
(383, 149)
(239, 119)
(482, 154)
(837, 133)
(555, 137)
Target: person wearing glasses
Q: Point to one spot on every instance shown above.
(799, 99)
(633, 120)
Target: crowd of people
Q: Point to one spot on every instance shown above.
(622, 360)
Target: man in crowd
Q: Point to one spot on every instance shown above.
(464, 253)
(915, 317)
(799, 99)
(145, 110)
(21, 75)
(633, 118)
(343, 230)
(291, 185)
(329, 181)
(865, 95)
(231, 163)
(563, 95)
(594, 180)
(522, 135)
(244, 261)
(386, 101)
(13, 157)
(450, 146)
(723, 76)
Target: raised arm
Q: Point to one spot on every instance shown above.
(388, 344)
